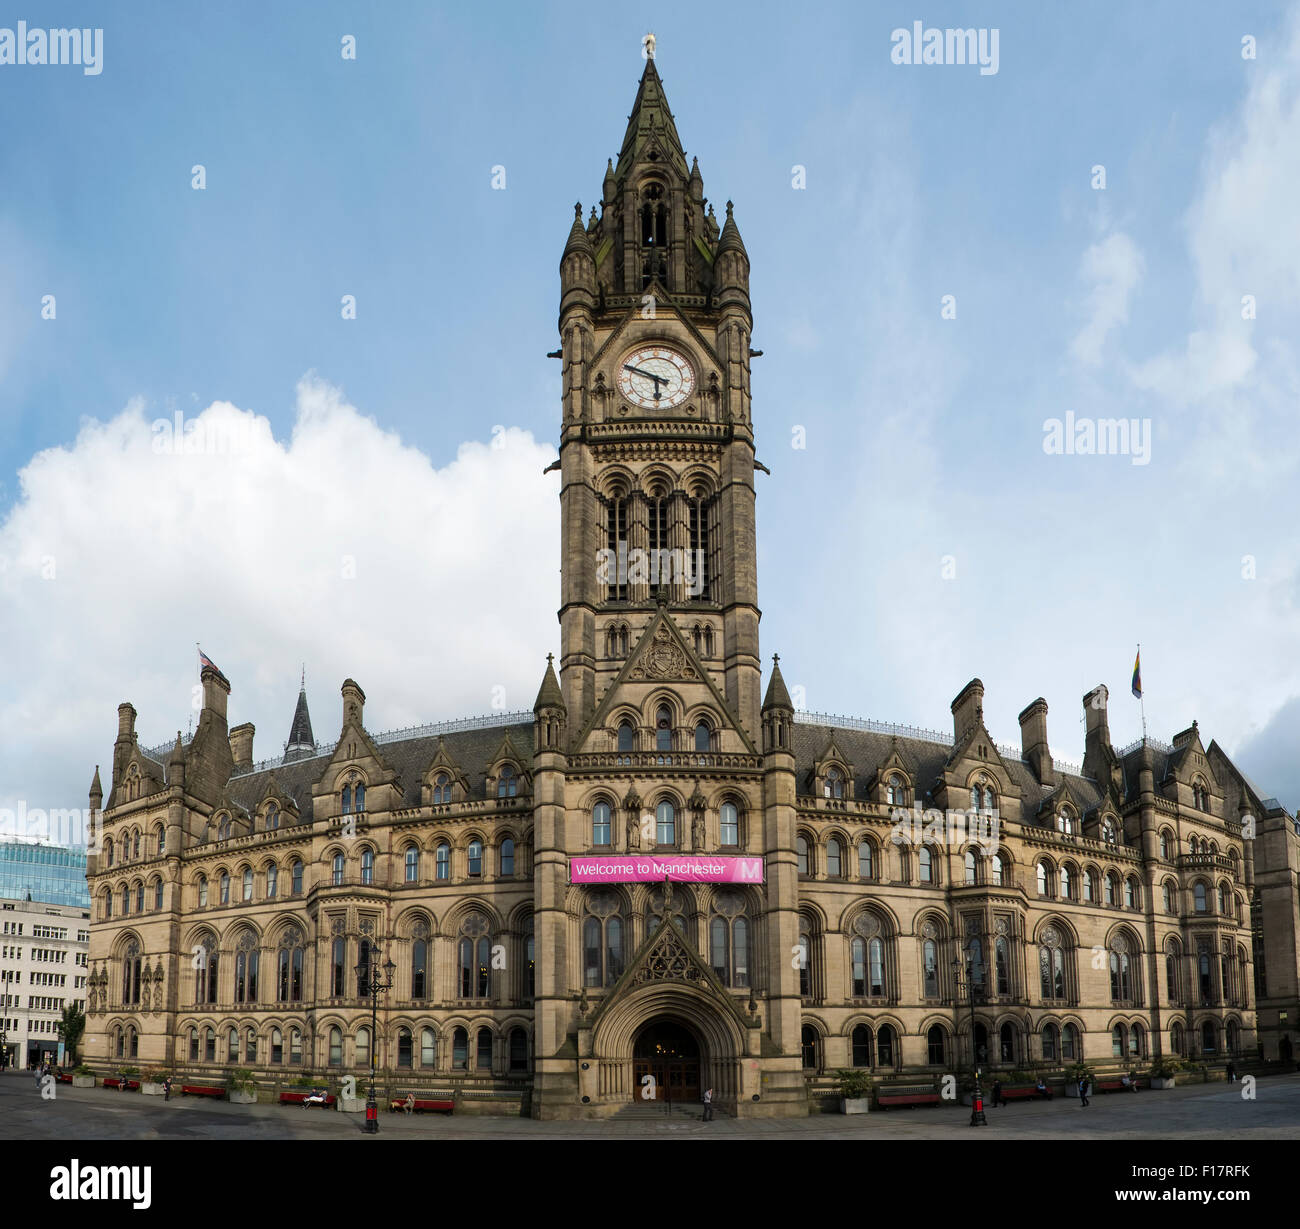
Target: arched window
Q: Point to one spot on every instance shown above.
(428, 1049)
(246, 883)
(108, 850)
(223, 828)
(139, 897)
(157, 894)
(602, 943)
(935, 1044)
(1173, 982)
(203, 892)
(1118, 1041)
(1002, 964)
(296, 881)
(411, 859)
(126, 898)
(1177, 1039)
(1089, 888)
(359, 797)
(361, 1052)
(507, 782)
(804, 957)
(999, 870)
(663, 730)
(246, 962)
(626, 737)
(442, 861)
(833, 868)
(289, 969)
(1198, 896)
(703, 737)
(834, 786)
(601, 831)
(1070, 1044)
(1225, 898)
(206, 973)
(1121, 979)
(460, 1050)
(895, 794)
(225, 889)
(866, 860)
(419, 967)
(1051, 965)
(1135, 1036)
(338, 967)
(930, 968)
(507, 858)
(1043, 873)
(474, 960)
(475, 858)
(1007, 1043)
(277, 1046)
(1164, 844)
(404, 1047)
(1065, 822)
(295, 1047)
(729, 941)
(1108, 832)
(160, 840)
(1065, 885)
(338, 869)
(1131, 898)
(971, 870)
(801, 852)
(1049, 1043)
(272, 817)
(367, 866)
(665, 824)
(1167, 896)
(808, 1047)
(441, 789)
(1112, 888)
(131, 975)
(925, 860)
(885, 1048)
(336, 1047)
(728, 825)
(1234, 1036)
(862, 1046)
(1209, 1038)
(347, 800)
(210, 1045)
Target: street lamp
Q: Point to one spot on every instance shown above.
(4, 1053)
(977, 1118)
(368, 978)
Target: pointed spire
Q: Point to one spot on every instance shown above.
(777, 696)
(650, 119)
(550, 695)
(178, 752)
(578, 240)
(96, 790)
(301, 742)
(730, 237)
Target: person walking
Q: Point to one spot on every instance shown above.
(708, 1104)
(167, 1088)
(1083, 1091)
(998, 1098)
(1232, 1073)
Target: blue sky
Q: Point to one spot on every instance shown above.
(921, 537)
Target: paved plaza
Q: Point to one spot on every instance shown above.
(1194, 1111)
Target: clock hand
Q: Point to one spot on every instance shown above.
(649, 375)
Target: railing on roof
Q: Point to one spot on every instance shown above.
(486, 722)
(163, 750)
(1154, 743)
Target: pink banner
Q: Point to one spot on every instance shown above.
(655, 868)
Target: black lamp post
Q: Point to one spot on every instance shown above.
(977, 1118)
(368, 978)
(4, 1054)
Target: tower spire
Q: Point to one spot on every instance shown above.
(301, 742)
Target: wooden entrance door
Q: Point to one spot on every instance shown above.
(670, 1055)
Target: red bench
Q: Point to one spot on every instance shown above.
(201, 1090)
(64, 1079)
(910, 1099)
(114, 1082)
(422, 1106)
(1024, 1094)
(1119, 1086)
(300, 1098)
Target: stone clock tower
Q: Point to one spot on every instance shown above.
(657, 447)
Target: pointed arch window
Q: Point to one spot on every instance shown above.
(131, 975)
(1199, 897)
(862, 1046)
(834, 784)
(272, 818)
(601, 830)
(999, 870)
(225, 888)
(246, 883)
(833, 858)
(728, 825)
(157, 894)
(930, 968)
(428, 1048)
(616, 542)
(441, 789)
(296, 880)
(338, 869)
(663, 730)
(203, 892)
(507, 857)
(338, 966)
(442, 861)
(475, 858)
(970, 866)
(474, 956)
(507, 782)
(1002, 964)
(626, 737)
(801, 853)
(367, 866)
(866, 860)
(411, 861)
(1089, 890)
(703, 737)
(1121, 974)
(895, 793)
(419, 966)
(246, 964)
(665, 824)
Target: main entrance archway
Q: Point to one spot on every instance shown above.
(668, 1053)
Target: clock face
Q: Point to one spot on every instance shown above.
(656, 378)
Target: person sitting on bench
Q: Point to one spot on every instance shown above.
(1042, 1089)
(409, 1104)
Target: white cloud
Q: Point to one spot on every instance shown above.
(1113, 267)
(117, 557)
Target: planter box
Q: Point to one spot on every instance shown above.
(351, 1105)
(241, 1098)
(151, 1090)
(1158, 1081)
(855, 1105)
(83, 1081)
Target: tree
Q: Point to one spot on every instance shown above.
(71, 1028)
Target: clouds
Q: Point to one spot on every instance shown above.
(1112, 267)
(342, 548)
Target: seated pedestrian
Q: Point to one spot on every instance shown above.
(409, 1104)
(1042, 1089)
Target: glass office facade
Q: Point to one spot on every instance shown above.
(50, 874)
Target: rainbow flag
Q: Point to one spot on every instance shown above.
(1137, 676)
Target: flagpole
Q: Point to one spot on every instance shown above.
(1142, 701)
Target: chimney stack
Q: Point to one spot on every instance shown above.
(216, 690)
(241, 745)
(354, 703)
(968, 709)
(1033, 741)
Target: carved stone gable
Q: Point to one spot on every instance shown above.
(663, 660)
(669, 960)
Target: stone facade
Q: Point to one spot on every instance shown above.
(450, 848)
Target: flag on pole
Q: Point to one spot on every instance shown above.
(206, 662)
(1137, 676)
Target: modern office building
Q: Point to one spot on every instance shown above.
(43, 950)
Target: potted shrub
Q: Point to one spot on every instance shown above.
(855, 1091)
(83, 1076)
(1163, 1073)
(241, 1088)
(1076, 1072)
(151, 1083)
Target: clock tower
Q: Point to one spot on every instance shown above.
(657, 447)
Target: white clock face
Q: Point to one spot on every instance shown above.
(656, 378)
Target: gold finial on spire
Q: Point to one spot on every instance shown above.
(648, 47)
